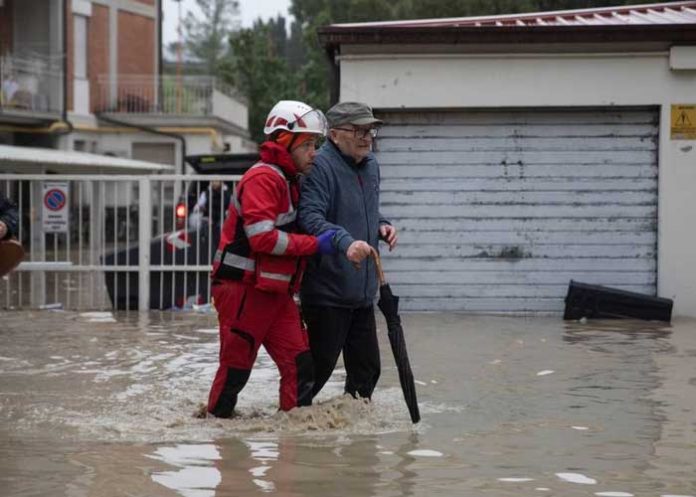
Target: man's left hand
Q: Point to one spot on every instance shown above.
(388, 233)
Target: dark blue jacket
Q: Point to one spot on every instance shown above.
(8, 215)
(342, 195)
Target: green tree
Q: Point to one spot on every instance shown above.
(206, 36)
(257, 67)
(297, 51)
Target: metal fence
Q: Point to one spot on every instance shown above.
(168, 94)
(122, 242)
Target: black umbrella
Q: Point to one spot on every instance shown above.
(389, 305)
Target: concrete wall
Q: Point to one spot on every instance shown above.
(427, 81)
(239, 145)
(230, 109)
(121, 144)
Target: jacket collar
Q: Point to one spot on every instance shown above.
(273, 153)
(347, 158)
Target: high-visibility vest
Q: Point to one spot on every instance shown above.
(235, 260)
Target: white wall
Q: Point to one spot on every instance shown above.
(230, 109)
(200, 143)
(396, 81)
(120, 144)
(676, 273)
(239, 145)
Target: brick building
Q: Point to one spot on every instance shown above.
(108, 94)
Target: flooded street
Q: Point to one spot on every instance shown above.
(100, 404)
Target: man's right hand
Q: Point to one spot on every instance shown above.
(357, 251)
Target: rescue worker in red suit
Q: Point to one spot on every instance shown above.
(259, 263)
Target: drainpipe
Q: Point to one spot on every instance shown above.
(160, 55)
(334, 75)
(70, 127)
(147, 129)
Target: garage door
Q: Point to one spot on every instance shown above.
(498, 211)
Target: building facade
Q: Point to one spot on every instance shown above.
(521, 152)
(108, 94)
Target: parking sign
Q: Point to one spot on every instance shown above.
(55, 206)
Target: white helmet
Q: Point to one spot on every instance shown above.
(295, 117)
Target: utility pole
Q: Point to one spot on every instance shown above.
(179, 59)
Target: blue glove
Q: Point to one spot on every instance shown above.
(325, 244)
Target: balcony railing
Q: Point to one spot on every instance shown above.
(31, 84)
(195, 96)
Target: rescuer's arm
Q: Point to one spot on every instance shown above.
(262, 204)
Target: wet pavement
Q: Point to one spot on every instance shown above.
(101, 404)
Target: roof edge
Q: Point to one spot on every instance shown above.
(622, 9)
(333, 36)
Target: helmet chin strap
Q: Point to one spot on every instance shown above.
(292, 141)
(286, 139)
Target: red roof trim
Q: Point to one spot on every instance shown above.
(665, 22)
(683, 12)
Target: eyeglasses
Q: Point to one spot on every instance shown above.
(362, 132)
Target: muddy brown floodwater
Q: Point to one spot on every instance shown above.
(101, 404)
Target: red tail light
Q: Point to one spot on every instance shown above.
(181, 210)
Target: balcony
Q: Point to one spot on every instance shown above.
(184, 100)
(31, 88)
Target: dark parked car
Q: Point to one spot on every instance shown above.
(185, 246)
(210, 164)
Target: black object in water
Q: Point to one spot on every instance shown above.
(600, 302)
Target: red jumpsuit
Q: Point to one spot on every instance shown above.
(257, 269)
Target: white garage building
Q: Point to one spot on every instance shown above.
(523, 151)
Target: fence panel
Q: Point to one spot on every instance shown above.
(107, 241)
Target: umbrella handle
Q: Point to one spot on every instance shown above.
(378, 266)
(11, 254)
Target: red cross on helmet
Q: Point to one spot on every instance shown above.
(295, 117)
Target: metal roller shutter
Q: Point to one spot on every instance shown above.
(497, 211)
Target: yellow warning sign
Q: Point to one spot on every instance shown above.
(683, 122)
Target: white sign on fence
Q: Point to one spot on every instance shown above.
(55, 206)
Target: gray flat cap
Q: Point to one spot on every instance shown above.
(355, 113)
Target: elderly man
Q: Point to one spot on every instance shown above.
(342, 193)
